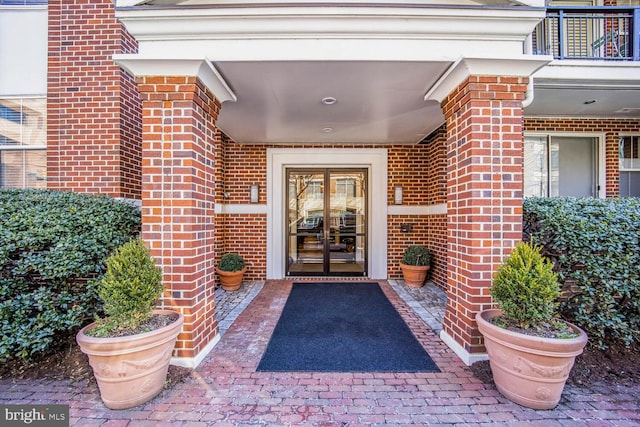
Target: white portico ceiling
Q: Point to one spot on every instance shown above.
(272, 63)
(375, 102)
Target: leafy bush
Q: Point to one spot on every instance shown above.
(129, 290)
(231, 262)
(51, 244)
(417, 255)
(526, 288)
(595, 246)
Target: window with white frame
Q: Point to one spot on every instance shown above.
(630, 166)
(560, 166)
(23, 146)
(22, 2)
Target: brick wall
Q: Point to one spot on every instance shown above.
(484, 122)
(420, 169)
(93, 109)
(612, 128)
(180, 142)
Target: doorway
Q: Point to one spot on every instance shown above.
(326, 222)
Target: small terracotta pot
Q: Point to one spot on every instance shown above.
(529, 370)
(131, 370)
(414, 275)
(231, 280)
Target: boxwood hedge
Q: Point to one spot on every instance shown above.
(595, 246)
(52, 244)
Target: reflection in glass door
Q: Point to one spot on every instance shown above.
(326, 222)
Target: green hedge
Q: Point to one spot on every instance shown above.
(595, 246)
(51, 245)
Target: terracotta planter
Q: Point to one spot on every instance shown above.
(131, 370)
(231, 280)
(414, 275)
(529, 370)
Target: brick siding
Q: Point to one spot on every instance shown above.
(93, 109)
(418, 168)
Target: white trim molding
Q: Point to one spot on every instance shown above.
(375, 160)
(522, 66)
(438, 209)
(241, 209)
(288, 31)
(466, 357)
(193, 362)
(143, 65)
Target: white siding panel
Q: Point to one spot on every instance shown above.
(23, 51)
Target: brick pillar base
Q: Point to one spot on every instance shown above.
(484, 180)
(178, 207)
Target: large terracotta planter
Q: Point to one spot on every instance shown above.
(131, 370)
(414, 275)
(529, 370)
(231, 280)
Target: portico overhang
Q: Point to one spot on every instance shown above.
(330, 72)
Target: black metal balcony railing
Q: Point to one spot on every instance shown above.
(606, 33)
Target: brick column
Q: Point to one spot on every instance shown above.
(179, 145)
(484, 120)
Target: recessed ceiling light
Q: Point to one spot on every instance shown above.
(327, 130)
(591, 101)
(329, 100)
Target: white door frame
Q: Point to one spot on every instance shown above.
(374, 160)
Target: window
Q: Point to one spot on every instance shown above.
(22, 2)
(560, 166)
(23, 150)
(346, 187)
(630, 166)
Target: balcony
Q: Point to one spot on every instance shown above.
(610, 33)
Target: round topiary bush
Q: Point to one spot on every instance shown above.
(231, 262)
(417, 255)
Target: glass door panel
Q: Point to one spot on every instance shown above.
(326, 222)
(347, 200)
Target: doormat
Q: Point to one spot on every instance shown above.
(342, 327)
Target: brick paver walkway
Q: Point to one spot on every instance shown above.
(225, 390)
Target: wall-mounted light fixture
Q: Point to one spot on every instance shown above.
(255, 193)
(397, 194)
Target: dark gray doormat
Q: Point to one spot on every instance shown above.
(342, 327)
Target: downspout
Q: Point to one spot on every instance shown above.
(528, 97)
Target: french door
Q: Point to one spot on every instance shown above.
(326, 222)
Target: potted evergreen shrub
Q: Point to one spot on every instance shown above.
(531, 351)
(231, 269)
(416, 262)
(130, 349)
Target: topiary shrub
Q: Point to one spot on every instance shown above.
(595, 247)
(526, 288)
(51, 244)
(129, 290)
(417, 255)
(231, 262)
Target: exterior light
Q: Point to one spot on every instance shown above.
(397, 194)
(255, 193)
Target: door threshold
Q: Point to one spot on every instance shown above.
(329, 278)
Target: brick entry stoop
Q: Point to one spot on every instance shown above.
(225, 390)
